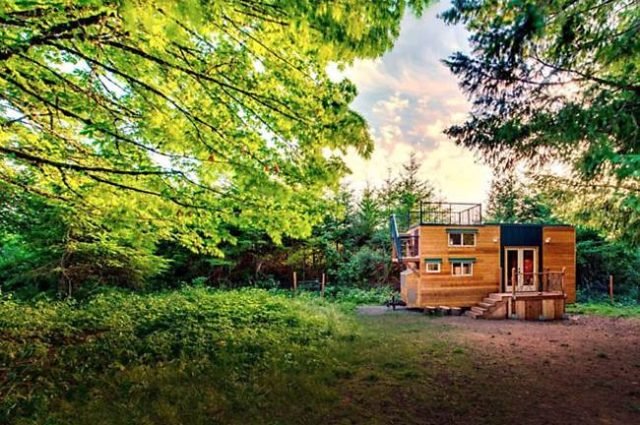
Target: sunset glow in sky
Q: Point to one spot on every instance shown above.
(409, 97)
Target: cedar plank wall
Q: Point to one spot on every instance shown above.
(559, 253)
(444, 289)
(409, 283)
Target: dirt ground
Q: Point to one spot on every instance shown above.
(584, 370)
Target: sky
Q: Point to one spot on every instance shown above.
(408, 98)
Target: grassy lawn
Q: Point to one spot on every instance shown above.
(605, 308)
(235, 357)
(390, 369)
(407, 369)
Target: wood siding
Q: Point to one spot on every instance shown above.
(421, 289)
(409, 284)
(459, 291)
(547, 307)
(561, 252)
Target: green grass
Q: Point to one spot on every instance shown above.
(201, 357)
(345, 298)
(153, 357)
(605, 308)
(408, 369)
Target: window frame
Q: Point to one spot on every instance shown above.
(461, 234)
(436, 263)
(462, 264)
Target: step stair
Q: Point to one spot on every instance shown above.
(479, 310)
(473, 314)
(493, 306)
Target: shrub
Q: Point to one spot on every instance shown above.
(357, 296)
(597, 258)
(53, 350)
(366, 267)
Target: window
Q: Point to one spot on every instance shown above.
(462, 266)
(433, 267)
(462, 239)
(462, 269)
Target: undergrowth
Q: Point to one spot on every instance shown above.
(345, 298)
(249, 346)
(623, 305)
(605, 308)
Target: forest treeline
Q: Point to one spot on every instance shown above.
(45, 248)
(45, 251)
(149, 144)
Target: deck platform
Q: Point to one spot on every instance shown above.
(535, 305)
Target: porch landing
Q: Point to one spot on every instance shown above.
(530, 305)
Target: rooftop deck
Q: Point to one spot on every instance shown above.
(452, 213)
(447, 213)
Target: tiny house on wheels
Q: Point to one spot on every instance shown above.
(453, 258)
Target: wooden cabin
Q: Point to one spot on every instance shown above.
(454, 259)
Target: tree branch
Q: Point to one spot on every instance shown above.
(77, 167)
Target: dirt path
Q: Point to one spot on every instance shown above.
(585, 370)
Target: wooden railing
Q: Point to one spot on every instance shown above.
(548, 280)
(550, 284)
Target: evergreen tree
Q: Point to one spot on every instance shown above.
(413, 189)
(503, 198)
(410, 191)
(512, 201)
(368, 217)
(557, 80)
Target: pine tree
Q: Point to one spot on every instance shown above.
(511, 201)
(412, 186)
(503, 198)
(368, 217)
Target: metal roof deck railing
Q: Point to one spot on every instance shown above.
(451, 213)
(404, 245)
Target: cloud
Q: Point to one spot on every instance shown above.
(409, 97)
(391, 107)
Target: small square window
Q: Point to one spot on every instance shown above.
(468, 239)
(462, 239)
(461, 268)
(433, 267)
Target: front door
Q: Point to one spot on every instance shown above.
(525, 261)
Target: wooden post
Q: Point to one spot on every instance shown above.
(295, 282)
(513, 291)
(322, 283)
(562, 281)
(611, 287)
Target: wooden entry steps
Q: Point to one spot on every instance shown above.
(527, 306)
(493, 306)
